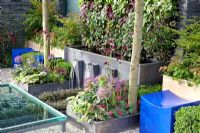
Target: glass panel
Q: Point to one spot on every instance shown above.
(19, 108)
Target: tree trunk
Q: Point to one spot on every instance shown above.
(46, 36)
(136, 51)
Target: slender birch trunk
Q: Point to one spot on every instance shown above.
(46, 38)
(136, 51)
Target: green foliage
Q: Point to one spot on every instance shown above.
(109, 24)
(190, 37)
(102, 99)
(29, 57)
(57, 99)
(186, 64)
(158, 11)
(187, 120)
(69, 34)
(33, 21)
(60, 67)
(147, 89)
(58, 72)
(159, 42)
(31, 75)
(64, 31)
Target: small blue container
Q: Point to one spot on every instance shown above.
(19, 52)
(157, 111)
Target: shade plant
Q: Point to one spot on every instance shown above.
(103, 98)
(57, 72)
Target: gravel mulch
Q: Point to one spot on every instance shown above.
(6, 77)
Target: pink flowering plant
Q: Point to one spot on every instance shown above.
(102, 99)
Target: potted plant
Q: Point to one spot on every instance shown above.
(182, 76)
(35, 78)
(103, 106)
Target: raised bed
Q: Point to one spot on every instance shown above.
(182, 88)
(110, 126)
(36, 90)
(94, 65)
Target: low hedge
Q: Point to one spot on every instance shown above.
(57, 99)
(187, 120)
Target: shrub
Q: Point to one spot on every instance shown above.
(33, 18)
(67, 35)
(187, 120)
(61, 67)
(186, 62)
(63, 31)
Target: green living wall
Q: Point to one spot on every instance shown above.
(109, 26)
